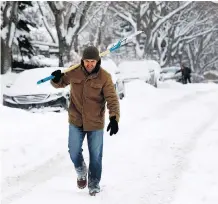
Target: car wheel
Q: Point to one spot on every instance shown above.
(121, 96)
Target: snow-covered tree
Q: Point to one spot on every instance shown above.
(69, 19)
(201, 47)
(170, 28)
(173, 31)
(8, 26)
(177, 32)
(15, 30)
(23, 28)
(148, 17)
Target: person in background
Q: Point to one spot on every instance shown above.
(186, 74)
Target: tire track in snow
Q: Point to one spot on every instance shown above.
(16, 187)
(187, 148)
(159, 187)
(170, 106)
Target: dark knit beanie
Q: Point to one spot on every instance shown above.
(91, 52)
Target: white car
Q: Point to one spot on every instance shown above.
(110, 66)
(24, 93)
(146, 70)
(168, 73)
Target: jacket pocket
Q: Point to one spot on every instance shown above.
(94, 91)
(96, 86)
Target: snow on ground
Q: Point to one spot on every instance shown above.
(164, 152)
(199, 183)
(29, 139)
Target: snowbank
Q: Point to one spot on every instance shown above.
(28, 139)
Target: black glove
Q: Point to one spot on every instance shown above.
(113, 126)
(57, 75)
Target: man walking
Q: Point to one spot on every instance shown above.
(91, 89)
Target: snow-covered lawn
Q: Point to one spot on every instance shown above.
(165, 151)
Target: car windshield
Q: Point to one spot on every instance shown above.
(169, 70)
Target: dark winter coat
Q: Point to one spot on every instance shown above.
(186, 72)
(88, 96)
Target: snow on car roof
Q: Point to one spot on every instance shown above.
(110, 66)
(138, 68)
(139, 64)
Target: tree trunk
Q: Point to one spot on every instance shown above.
(9, 26)
(64, 52)
(6, 54)
(76, 44)
(61, 52)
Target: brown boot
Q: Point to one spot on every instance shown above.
(82, 182)
(82, 176)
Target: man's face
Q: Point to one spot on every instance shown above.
(89, 64)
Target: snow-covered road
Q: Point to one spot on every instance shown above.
(164, 152)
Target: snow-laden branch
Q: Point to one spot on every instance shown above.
(79, 21)
(44, 20)
(143, 9)
(212, 61)
(12, 33)
(69, 10)
(158, 16)
(44, 43)
(55, 6)
(6, 10)
(90, 18)
(59, 5)
(208, 45)
(188, 27)
(13, 22)
(131, 4)
(128, 18)
(98, 32)
(168, 16)
(207, 40)
(191, 38)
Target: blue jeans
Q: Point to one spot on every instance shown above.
(95, 146)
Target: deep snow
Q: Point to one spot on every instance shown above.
(165, 151)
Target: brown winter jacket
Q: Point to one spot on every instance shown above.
(88, 96)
